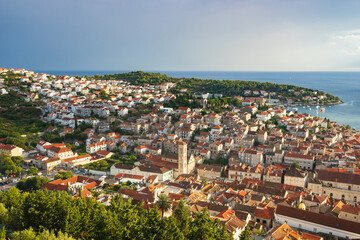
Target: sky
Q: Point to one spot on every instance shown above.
(180, 35)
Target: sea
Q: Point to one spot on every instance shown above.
(345, 85)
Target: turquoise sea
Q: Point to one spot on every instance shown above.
(345, 85)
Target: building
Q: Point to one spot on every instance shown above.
(283, 231)
(317, 223)
(74, 185)
(337, 185)
(162, 173)
(251, 157)
(208, 171)
(12, 150)
(305, 161)
(296, 177)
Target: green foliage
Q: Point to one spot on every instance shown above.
(204, 181)
(10, 165)
(64, 175)
(295, 164)
(103, 94)
(183, 101)
(203, 227)
(105, 164)
(32, 184)
(19, 118)
(225, 87)
(181, 214)
(164, 204)
(30, 234)
(32, 170)
(245, 234)
(222, 161)
(41, 214)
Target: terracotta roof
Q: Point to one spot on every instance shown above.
(339, 177)
(308, 236)
(124, 175)
(264, 213)
(320, 219)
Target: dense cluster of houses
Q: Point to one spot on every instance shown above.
(290, 175)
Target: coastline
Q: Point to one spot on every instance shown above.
(312, 104)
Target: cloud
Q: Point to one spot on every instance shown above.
(348, 42)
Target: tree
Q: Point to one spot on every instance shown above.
(245, 234)
(27, 234)
(204, 182)
(32, 171)
(3, 214)
(295, 164)
(32, 184)
(181, 214)
(3, 233)
(64, 175)
(76, 123)
(203, 227)
(164, 204)
(103, 94)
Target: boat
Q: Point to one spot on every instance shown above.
(322, 109)
(295, 109)
(303, 106)
(309, 108)
(317, 106)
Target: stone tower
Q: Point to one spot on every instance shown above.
(182, 158)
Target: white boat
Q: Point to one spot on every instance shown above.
(317, 106)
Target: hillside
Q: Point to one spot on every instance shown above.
(225, 87)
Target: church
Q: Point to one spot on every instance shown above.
(180, 163)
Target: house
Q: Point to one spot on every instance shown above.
(305, 161)
(338, 185)
(72, 162)
(283, 231)
(12, 150)
(350, 213)
(264, 216)
(162, 173)
(59, 152)
(209, 171)
(73, 185)
(92, 148)
(124, 178)
(251, 157)
(51, 163)
(296, 177)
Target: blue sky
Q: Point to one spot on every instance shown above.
(180, 35)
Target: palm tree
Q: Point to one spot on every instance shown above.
(164, 204)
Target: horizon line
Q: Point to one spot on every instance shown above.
(198, 70)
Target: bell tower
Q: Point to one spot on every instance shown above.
(182, 158)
